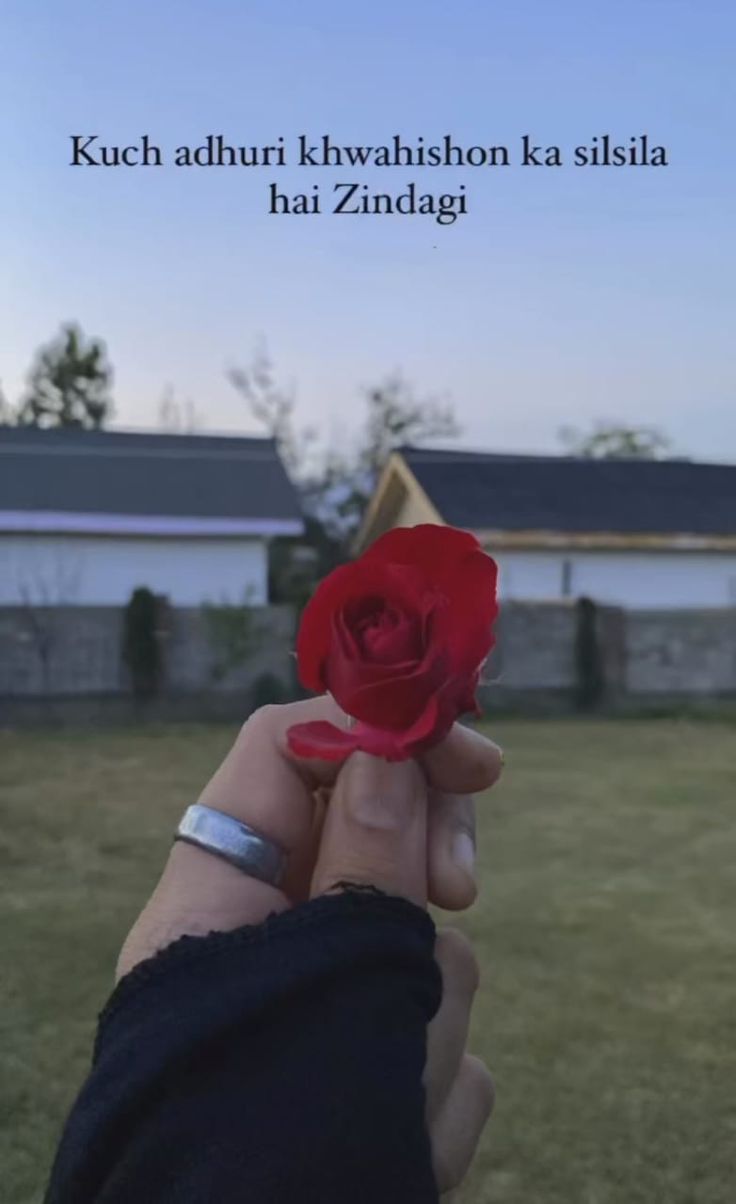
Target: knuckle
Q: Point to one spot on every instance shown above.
(462, 814)
(484, 759)
(380, 795)
(381, 873)
(456, 1132)
(449, 1171)
(332, 878)
(481, 1082)
(260, 720)
(457, 959)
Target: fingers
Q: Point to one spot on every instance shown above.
(298, 877)
(456, 1131)
(273, 792)
(264, 789)
(263, 784)
(199, 893)
(375, 829)
(447, 1033)
(465, 762)
(451, 882)
(451, 850)
(259, 786)
(459, 1089)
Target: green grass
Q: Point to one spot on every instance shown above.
(606, 932)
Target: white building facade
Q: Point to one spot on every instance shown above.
(635, 534)
(97, 570)
(637, 580)
(87, 517)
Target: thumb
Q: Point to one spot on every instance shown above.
(375, 830)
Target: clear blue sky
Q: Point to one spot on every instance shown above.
(563, 296)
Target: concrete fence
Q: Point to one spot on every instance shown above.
(74, 654)
(646, 654)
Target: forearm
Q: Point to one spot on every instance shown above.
(279, 1063)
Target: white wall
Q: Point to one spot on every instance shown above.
(103, 571)
(634, 579)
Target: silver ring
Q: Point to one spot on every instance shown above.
(234, 841)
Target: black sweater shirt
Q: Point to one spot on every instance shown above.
(277, 1063)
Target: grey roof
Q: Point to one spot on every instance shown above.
(121, 473)
(479, 490)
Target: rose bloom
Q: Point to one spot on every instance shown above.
(399, 638)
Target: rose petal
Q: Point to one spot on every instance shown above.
(329, 743)
(386, 643)
(399, 585)
(353, 669)
(428, 547)
(393, 702)
(324, 740)
(414, 545)
(460, 571)
(399, 637)
(321, 739)
(465, 625)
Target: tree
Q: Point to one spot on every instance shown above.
(395, 417)
(274, 407)
(6, 411)
(177, 417)
(142, 651)
(609, 441)
(335, 483)
(69, 384)
(590, 674)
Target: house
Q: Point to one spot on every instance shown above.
(87, 516)
(636, 533)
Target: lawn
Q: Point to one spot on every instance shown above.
(606, 931)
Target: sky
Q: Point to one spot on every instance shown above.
(564, 296)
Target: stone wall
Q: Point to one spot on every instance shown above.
(74, 654)
(689, 652)
(76, 651)
(647, 654)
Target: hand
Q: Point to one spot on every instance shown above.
(405, 828)
(283, 798)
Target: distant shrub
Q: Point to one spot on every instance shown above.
(589, 671)
(141, 642)
(234, 635)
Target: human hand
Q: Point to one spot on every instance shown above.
(284, 799)
(404, 828)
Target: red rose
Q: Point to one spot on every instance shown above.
(398, 637)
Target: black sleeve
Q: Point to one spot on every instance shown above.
(270, 1065)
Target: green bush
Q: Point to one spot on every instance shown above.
(141, 643)
(234, 633)
(589, 670)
